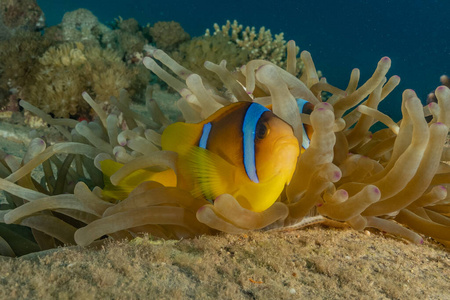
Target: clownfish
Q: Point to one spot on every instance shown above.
(243, 149)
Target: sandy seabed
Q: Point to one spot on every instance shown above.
(312, 263)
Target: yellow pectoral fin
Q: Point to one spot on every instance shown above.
(260, 196)
(126, 185)
(209, 174)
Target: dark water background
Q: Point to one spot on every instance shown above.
(340, 35)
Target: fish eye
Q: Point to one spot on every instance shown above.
(261, 130)
(308, 108)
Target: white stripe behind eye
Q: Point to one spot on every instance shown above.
(251, 118)
(305, 141)
(205, 135)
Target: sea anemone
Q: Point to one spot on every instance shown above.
(394, 180)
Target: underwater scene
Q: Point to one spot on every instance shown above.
(230, 150)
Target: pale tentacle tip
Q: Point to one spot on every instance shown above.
(202, 208)
(336, 176)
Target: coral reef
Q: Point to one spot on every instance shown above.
(126, 38)
(212, 48)
(79, 25)
(18, 57)
(167, 35)
(237, 46)
(24, 15)
(65, 71)
(80, 54)
(260, 45)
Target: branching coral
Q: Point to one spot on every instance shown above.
(385, 180)
(237, 46)
(260, 45)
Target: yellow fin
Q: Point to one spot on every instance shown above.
(212, 175)
(129, 183)
(180, 136)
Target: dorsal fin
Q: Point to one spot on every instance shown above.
(179, 136)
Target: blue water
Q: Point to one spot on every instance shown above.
(340, 35)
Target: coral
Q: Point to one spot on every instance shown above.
(167, 35)
(18, 57)
(65, 71)
(347, 176)
(261, 44)
(126, 37)
(237, 46)
(82, 25)
(96, 59)
(212, 48)
(23, 15)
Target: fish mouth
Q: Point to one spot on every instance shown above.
(287, 147)
(286, 141)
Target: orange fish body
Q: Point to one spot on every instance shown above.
(242, 149)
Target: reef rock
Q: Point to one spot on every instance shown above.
(79, 25)
(19, 15)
